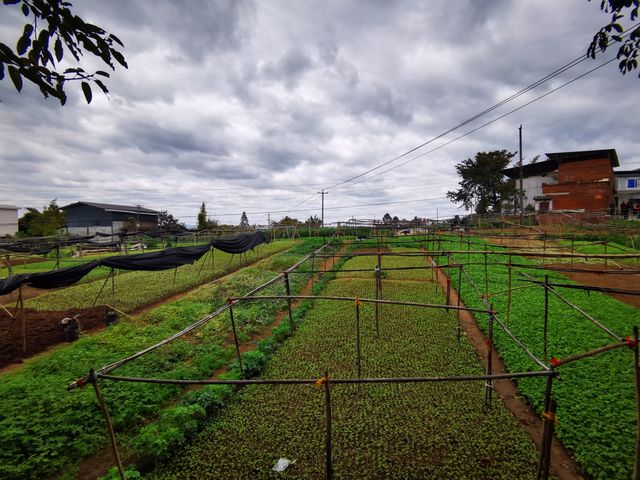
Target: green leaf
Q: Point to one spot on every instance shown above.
(1, 71)
(86, 89)
(100, 72)
(116, 39)
(118, 56)
(25, 9)
(15, 77)
(23, 45)
(58, 49)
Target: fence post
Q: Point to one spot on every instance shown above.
(112, 436)
(235, 337)
(636, 377)
(548, 417)
(459, 295)
(486, 273)
(489, 384)
(509, 293)
(287, 287)
(546, 315)
(327, 401)
(358, 337)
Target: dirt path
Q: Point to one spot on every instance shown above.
(97, 464)
(562, 464)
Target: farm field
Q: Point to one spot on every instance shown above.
(436, 430)
(596, 396)
(45, 431)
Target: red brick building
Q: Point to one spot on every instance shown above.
(575, 181)
(585, 180)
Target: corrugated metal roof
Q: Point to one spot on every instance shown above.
(109, 207)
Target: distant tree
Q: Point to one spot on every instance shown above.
(614, 31)
(202, 217)
(387, 218)
(313, 221)
(244, 221)
(51, 29)
(41, 224)
(288, 221)
(483, 185)
(396, 221)
(168, 221)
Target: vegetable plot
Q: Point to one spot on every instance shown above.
(438, 430)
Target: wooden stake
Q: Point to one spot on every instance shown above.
(235, 339)
(327, 402)
(107, 418)
(546, 315)
(23, 321)
(636, 378)
(459, 295)
(287, 287)
(509, 293)
(358, 338)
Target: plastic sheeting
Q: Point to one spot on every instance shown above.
(162, 260)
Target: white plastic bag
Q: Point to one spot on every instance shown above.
(282, 464)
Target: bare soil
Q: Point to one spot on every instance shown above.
(42, 331)
(628, 282)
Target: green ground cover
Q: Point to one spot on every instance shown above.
(596, 399)
(137, 289)
(379, 431)
(45, 431)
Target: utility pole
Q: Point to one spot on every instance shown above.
(323, 193)
(521, 189)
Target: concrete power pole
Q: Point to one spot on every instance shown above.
(323, 193)
(521, 189)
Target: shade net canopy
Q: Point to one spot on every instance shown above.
(156, 261)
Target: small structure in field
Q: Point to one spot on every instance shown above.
(8, 220)
(88, 218)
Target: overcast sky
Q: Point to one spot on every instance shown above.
(256, 106)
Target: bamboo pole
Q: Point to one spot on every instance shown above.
(546, 316)
(327, 402)
(545, 446)
(358, 338)
(235, 338)
(23, 321)
(489, 366)
(112, 436)
(459, 295)
(636, 378)
(486, 275)
(102, 288)
(509, 290)
(287, 287)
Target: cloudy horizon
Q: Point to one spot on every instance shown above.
(258, 106)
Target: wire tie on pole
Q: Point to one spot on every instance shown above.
(631, 342)
(554, 361)
(358, 302)
(320, 382)
(231, 302)
(549, 416)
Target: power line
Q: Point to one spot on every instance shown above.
(536, 84)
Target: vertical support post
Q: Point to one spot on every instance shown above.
(58, 257)
(377, 273)
(548, 418)
(489, 385)
(287, 287)
(572, 240)
(459, 295)
(175, 273)
(358, 338)
(468, 250)
(636, 377)
(102, 288)
(107, 418)
(23, 321)
(486, 272)
(313, 269)
(509, 293)
(327, 403)
(235, 337)
(546, 315)
(113, 287)
(449, 281)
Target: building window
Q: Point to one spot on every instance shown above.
(632, 183)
